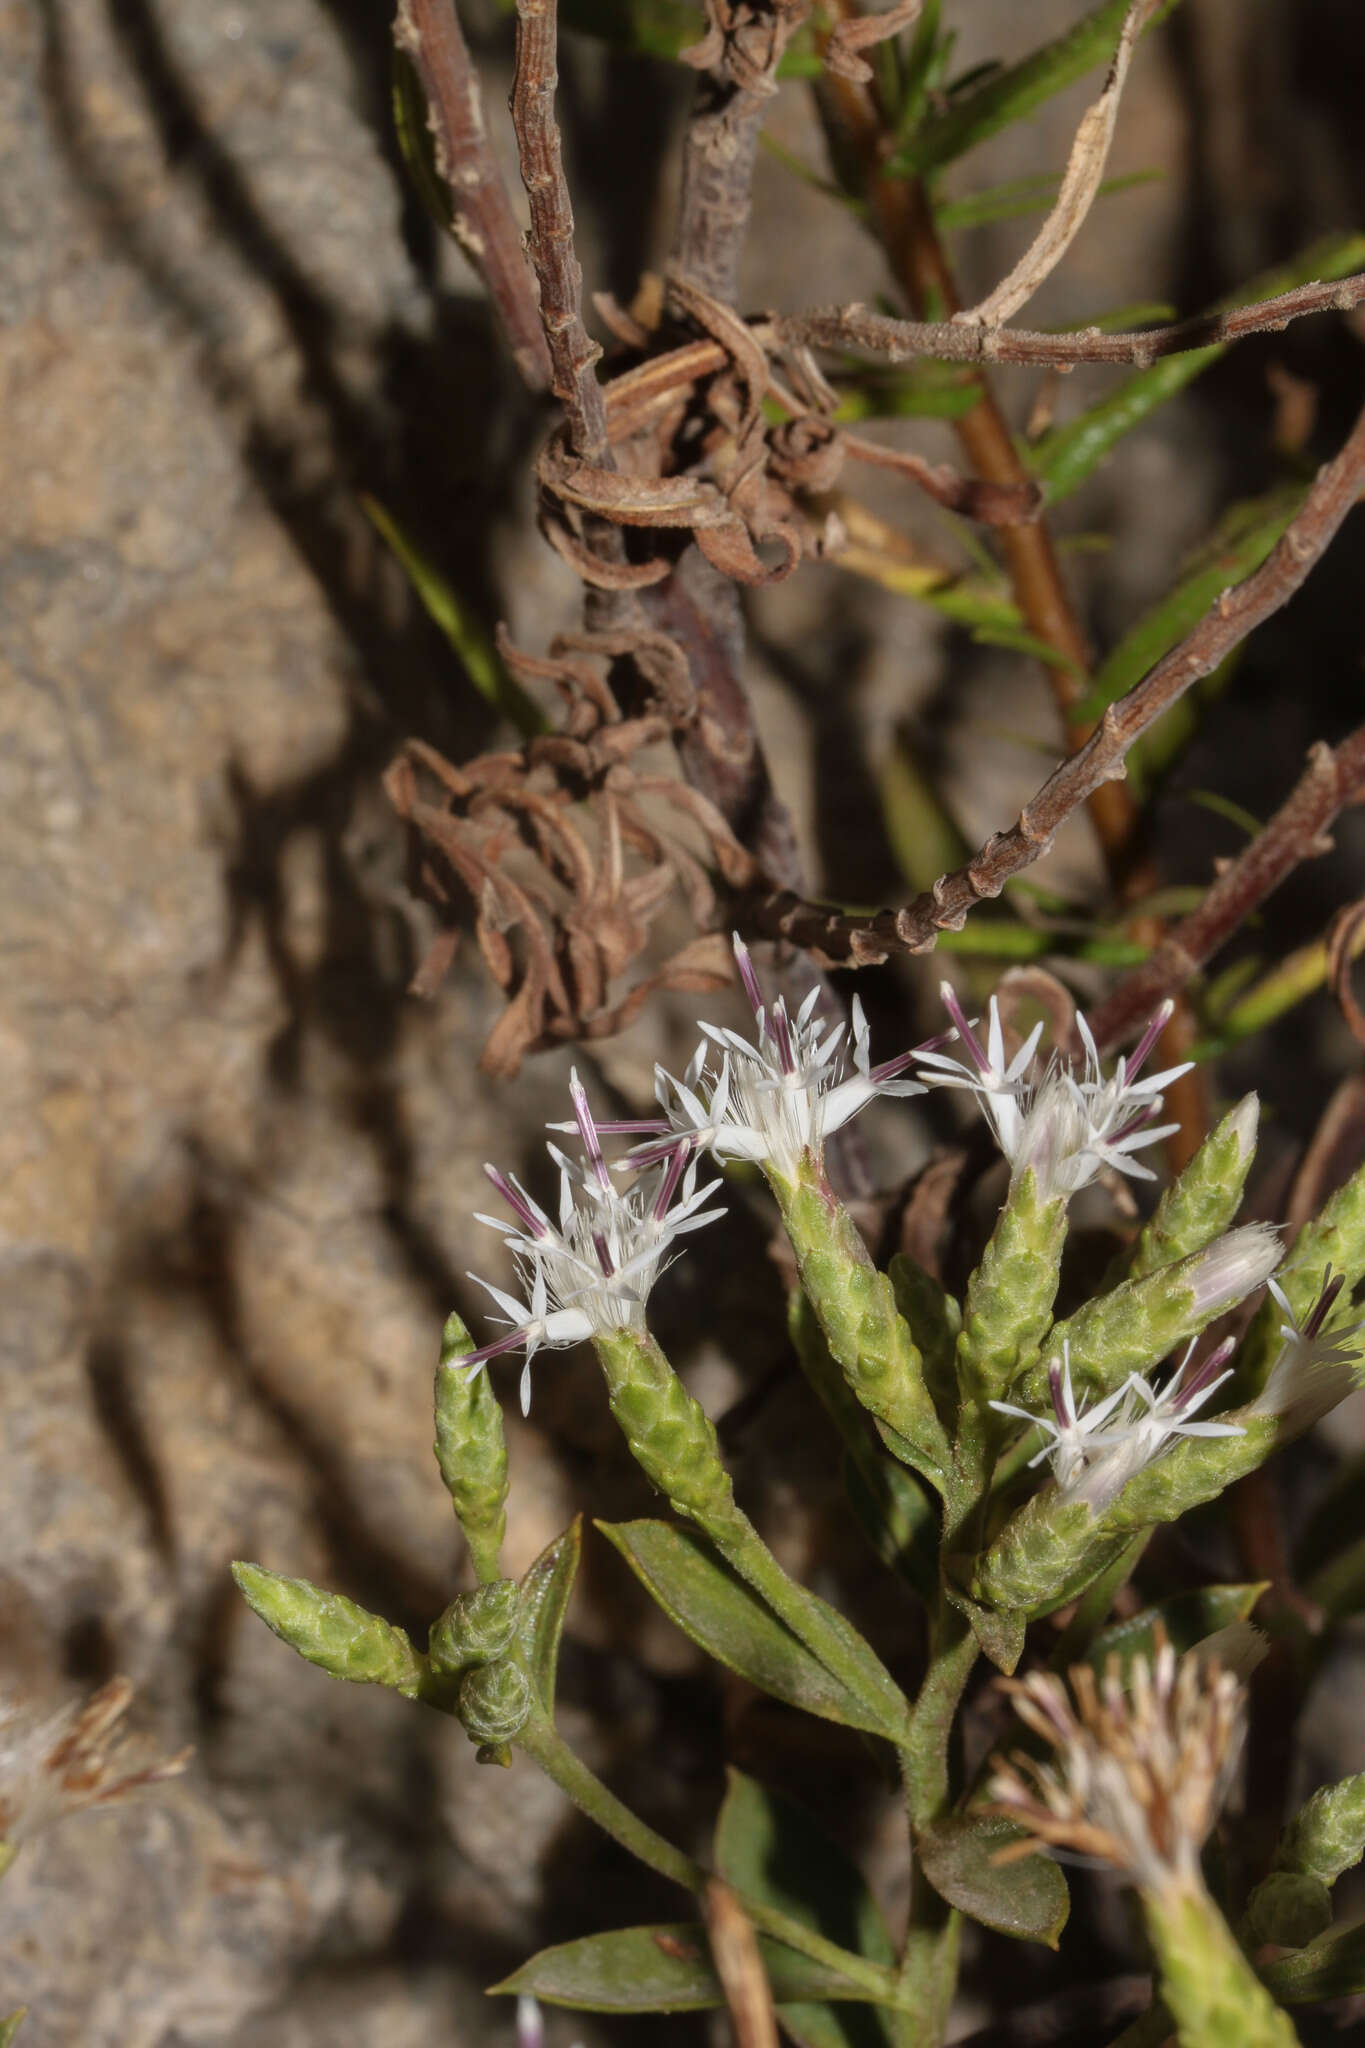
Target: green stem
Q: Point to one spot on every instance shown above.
(543, 1743)
(1213, 1994)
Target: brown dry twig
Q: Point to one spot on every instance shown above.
(428, 34)
(1333, 779)
(835, 936)
(569, 848)
(854, 328)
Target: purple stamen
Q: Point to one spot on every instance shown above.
(1148, 1114)
(631, 1126)
(587, 1130)
(652, 1155)
(1054, 1381)
(748, 977)
(604, 1258)
(964, 1029)
(1160, 1019)
(1204, 1372)
(782, 1036)
(1322, 1307)
(530, 1218)
(672, 1176)
(889, 1069)
(472, 1359)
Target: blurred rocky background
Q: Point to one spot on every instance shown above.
(237, 1161)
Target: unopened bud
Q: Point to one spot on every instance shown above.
(475, 1628)
(1233, 1267)
(470, 1449)
(1243, 1123)
(495, 1702)
(331, 1631)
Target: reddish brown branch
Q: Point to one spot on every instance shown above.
(964, 341)
(1333, 779)
(573, 353)
(428, 34)
(836, 936)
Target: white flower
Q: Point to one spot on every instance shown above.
(776, 1100)
(1153, 1420)
(1065, 1127)
(592, 1271)
(1075, 1436)
(1315, 1367)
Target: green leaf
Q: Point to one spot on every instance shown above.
(666, 1968)
(10, 2026)
(545, 1594)
(772, 1850)
(1010, 95)
(1333, 1967)
(927, 390)
(415, 140)
(1063, 459)
(1027, 1899)
(1243, 539)
(1023, 196)
(339, 1636)
(1188, 1618)
(471, 642)
(722, 1614)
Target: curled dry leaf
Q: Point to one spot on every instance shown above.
(1343, 944)
(569, 848)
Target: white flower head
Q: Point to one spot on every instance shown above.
(777, 1098)
(591, 1271)
(1138, 1772)
(1316, 1367)
(1151, 1421)
(1073, 1436)
(1065, 1127)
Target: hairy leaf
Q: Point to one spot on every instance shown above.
(666, 1968)
(1027, 1899)
(544, 1602)
(1333, 1967)
(728, 1620)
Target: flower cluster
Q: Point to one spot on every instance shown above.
(590, 1271)
(774, 1101)
(1095, 1451)
(54, 1764)
(1139, 1775)
(1066, 1127)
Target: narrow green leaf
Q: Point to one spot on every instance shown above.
(1027, 1899)
(465, 633)
(925, 390)
(1333, 1967)
(1241, 543)
(10, 2026)
(722, 1614)
(544, 1602)
(415, 139)
(771, 1849)
(1010, 95)
(1063, 459)
(1021, 197)
(666, 1968)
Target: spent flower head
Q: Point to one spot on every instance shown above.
(776, 1098)
(1067, 1127)
(55, 1763)
(591, 1271)
(1138, 1772)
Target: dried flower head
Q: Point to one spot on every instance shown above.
(52, 1764)
(1139, 1772)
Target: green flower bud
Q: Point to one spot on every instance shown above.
(1010, 1295)
(1287, 1909)
(855, 1306)
(332, 1632)
(1327, 1834)
(1201, 1204)
(668, 1432)
(475, 1628)
(470, 1450)
(495, 1702)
